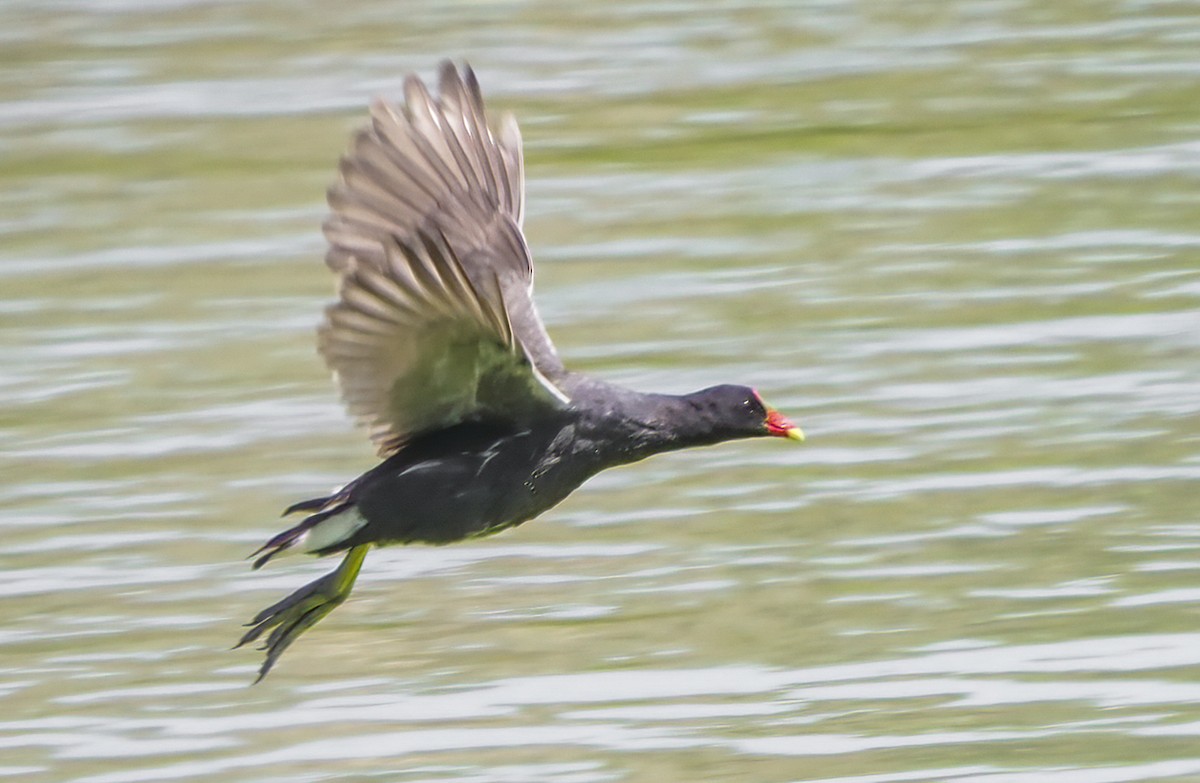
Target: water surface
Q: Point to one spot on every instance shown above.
(956, 240)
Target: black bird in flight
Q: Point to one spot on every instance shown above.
(439, 352)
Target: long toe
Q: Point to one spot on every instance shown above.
(299, 620)
(293, 616)
(302, 609)
(307, 596)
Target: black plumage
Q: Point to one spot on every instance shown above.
(438, 350)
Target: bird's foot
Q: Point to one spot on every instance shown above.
(302, 609)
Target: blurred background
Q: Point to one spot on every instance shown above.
(957, 241)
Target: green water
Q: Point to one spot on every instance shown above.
(957, 241)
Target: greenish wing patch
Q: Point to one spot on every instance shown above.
(420, 347)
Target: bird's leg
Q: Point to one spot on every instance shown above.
(303, 609)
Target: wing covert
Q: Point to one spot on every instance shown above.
(417, 345)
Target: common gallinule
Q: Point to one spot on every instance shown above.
(439, 351)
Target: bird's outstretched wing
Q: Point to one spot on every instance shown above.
(435, 321)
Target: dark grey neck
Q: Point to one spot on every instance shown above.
(626, 426)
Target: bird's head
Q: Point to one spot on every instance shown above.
(739, 411)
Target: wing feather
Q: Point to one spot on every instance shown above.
(434, 321)
(469, 129)
(512, 151)
(490, 152)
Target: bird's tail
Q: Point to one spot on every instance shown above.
(325, 508)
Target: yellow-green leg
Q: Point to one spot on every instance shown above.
(303, 609)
